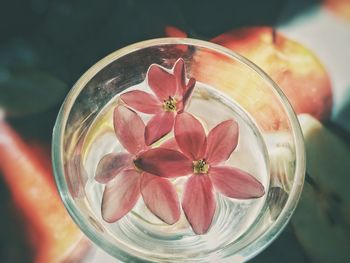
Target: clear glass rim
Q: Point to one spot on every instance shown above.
(252, 248)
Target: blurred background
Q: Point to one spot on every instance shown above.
(46, 45)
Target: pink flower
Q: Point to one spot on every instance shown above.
(172, 94)
(125, 181)
(202, 157)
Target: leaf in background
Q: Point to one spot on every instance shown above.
(27, 91)
(17, 53)
(34, 52)
(51, 58)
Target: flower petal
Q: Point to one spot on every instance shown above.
(157, 127)
(77, 176)
(120, 195)
(235, 183)
(111, 165)
(199, 203)
(161, 82)
(142, 101)
(222, 140)
(160, 197)
(129, 129)
(164, 162)
(190, 136)
(187, 93)
(170, 144)
(180, 75)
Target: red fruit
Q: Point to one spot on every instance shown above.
(171, 31)
(341, 8)
(29, 178)
(293, 67)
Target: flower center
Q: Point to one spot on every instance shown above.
(200, 167)
(170, 104)
(137, 165)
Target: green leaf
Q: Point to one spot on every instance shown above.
(27, 91)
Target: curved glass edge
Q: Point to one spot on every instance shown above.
(247, 252)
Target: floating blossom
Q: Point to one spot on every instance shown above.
(125, 181)
(202, 157)
(172, 94)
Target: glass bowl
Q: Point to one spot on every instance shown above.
(237, 80)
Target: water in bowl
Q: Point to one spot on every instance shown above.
(140, 230)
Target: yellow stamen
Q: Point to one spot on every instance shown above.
(200, 167)
(170, 104)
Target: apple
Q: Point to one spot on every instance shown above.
(27, 171)
(172, 31)
(293, 67)
(340, 8)
(322, 219)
